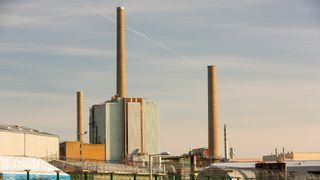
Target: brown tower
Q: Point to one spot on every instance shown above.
(79, 116)
(212, 114)
(121, 54)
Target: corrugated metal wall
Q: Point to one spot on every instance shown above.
(151, 127)
(114, 131)
(109, 122)
(134, 129)
(23, 144)
(41, 146)
(98, 129)
(11, 143)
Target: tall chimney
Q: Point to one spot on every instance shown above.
(225, 143)
(121, 54)
(212, 114)
(80, 116)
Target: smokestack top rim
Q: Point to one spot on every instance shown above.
(120, 7)
(210, 66)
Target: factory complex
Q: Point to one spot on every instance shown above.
(124, 143)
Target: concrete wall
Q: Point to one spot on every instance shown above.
(24, 144)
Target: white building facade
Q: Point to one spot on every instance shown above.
(23, 141)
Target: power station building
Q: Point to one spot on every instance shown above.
(128, 126)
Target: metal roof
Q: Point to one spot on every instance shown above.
(250, 165)
(23, 129)
(16, 164)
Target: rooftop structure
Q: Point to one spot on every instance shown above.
(23, 129)
(292, 156)
(253, 170)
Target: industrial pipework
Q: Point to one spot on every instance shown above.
(121, 54)
(212, 114)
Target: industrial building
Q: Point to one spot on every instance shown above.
(128, 126)
(292, 156)
(262, 170)
(70, 150)
(22, 141)
(78, 150)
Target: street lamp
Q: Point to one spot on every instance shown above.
(150, 161)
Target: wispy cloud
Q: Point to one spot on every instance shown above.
(16, 20)
(54, 50)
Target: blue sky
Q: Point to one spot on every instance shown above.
(266, 52)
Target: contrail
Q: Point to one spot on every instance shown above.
(98, 12)
(155, 42)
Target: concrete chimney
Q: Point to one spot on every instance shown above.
(80, 116)
(121, 54)
(212, 114)
(225, 143)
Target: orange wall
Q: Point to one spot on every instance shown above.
(71, 150)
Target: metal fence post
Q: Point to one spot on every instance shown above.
(28, 175)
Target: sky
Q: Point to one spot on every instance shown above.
(266, 53)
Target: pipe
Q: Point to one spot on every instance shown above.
(80, 116)
(121, 54)
(212, 114)
(225, 143)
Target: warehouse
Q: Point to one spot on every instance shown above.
(22, 141)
